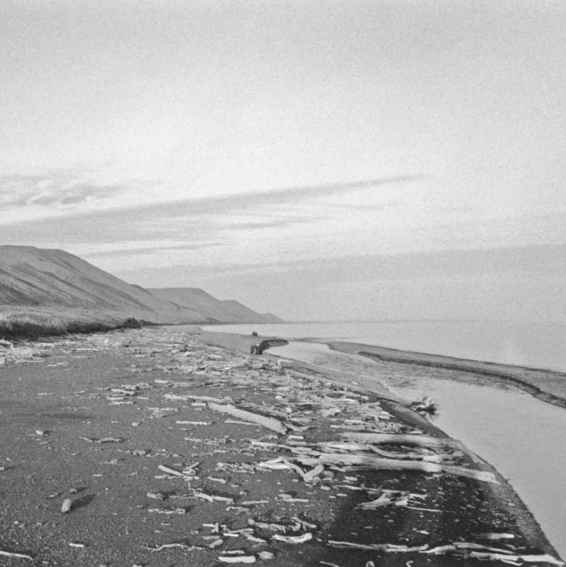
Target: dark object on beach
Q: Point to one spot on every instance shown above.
(254, 334)
(426, 406)
(132, 323)
(260, 347)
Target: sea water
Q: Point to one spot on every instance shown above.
(540, 345)
(521, 436)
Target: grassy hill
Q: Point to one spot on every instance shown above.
(52, 291)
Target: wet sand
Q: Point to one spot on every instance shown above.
(175, 452)
(519, 434)
(546, 385)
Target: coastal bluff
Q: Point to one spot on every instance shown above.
(49, 292)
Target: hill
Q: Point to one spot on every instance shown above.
(224, 311)
(53, 290)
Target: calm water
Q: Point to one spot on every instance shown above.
(542, 345)
(520, 436)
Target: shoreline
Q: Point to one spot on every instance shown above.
(401, 410)
(539, 383)
(368, 479)
(355, 372)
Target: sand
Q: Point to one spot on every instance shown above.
(171, 453)
(546, 385)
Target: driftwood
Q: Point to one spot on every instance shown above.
(15, 555)
(369, 461)
(237, 559)
(267, 422)
(425, 441)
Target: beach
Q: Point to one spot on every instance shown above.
(172, 446)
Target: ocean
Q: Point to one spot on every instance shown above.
(539, 345)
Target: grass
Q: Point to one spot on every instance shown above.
(32, 323)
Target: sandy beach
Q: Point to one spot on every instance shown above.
(157, 447)
(546, 385)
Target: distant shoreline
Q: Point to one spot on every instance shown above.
(546, 385)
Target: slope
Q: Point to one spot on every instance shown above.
(224, 311)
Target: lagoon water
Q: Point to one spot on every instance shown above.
(517, 433)
(541, 345)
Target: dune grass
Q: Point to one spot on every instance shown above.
(33, 323)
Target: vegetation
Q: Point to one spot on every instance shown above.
(31, 324)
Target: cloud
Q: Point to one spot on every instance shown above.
(533, 259)
(187, 220)
(51, 191)
(157, 247)
(256, 199)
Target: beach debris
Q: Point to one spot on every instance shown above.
(286, 497)
(157, 413)
(155, 495)
(66, 506)
(187, 422)
(176, 545)
(479, 551)
(393, 498)
(213, 497)
(168, 511)
(187, 397)
(425, 406)
(188, 473)
(241, 422)
(103, 440)
(380, 463)
(495, 536)
(281, 463)
(237, 558)
(294, 539)
(77, 544)
(269, 526)
(463, 549)
(388, 547)
(15, 555)
(267, 422)
(266, 555)
(426, 441)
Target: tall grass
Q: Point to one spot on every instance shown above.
(34, 324)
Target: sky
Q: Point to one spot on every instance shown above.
(321, 160)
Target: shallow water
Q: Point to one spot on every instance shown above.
(520, 436)
(542, 345)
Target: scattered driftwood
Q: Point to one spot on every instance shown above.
(392, 498)
(213, 497)
(237, 558)
(188, 473)
(267, 422)
(465, 549)
(482, 552)
(369, 461)
(388, 547)
(103, 440)
(294, 539)
(186, 397)
(425, 441)
(66, 506)
(15, 555)
(175, 545)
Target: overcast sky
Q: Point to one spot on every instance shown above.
(322, 160)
